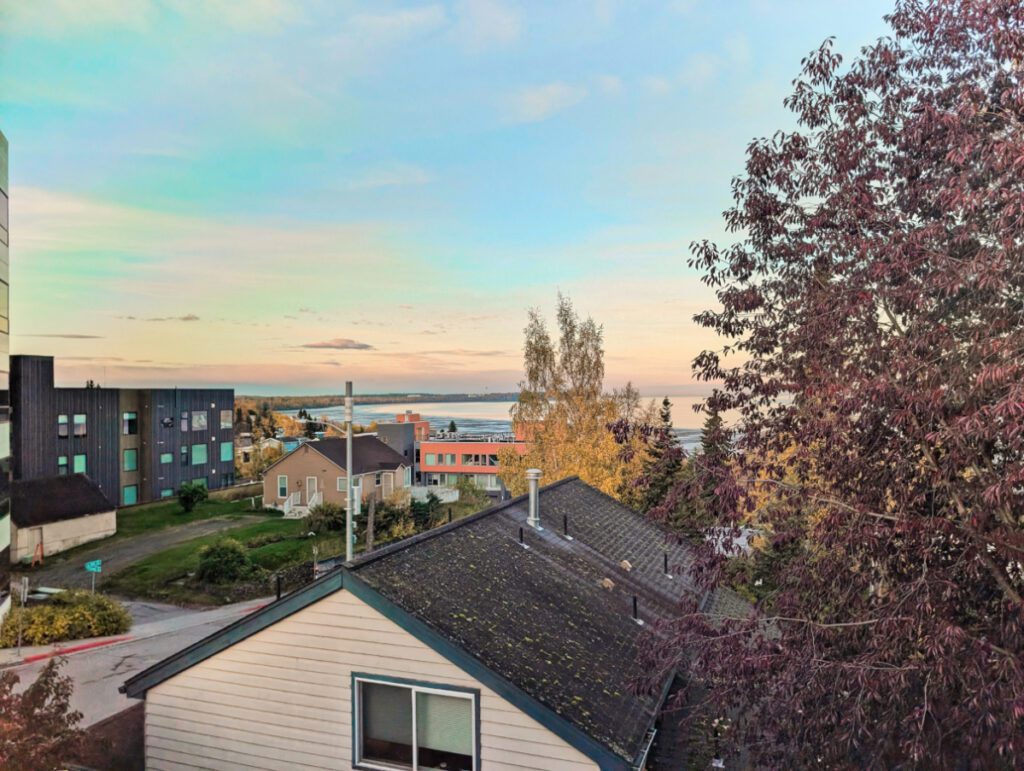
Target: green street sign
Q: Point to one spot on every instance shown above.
(95, 566)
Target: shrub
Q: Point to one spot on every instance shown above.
(70, 615)
(225, 561)
(264, 540)
(190, 494)
(325, 516)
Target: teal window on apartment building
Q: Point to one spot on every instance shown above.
(167, 492)
(80, 424)
(450, 459)
(78, 464)
(184, 455)
(62, 426)
(131, 460)
(62, 465)
(129, 423)
(130, 495)
(199, 455)
(431, 459)
(227, 451)
(167, 457)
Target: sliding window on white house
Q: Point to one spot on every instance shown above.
(405, 725)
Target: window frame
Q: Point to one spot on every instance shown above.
(414, 686)
(63, 468)
(133, 453)
(205, 454)
(63, 424)
(129, 423)
(200, 420)
(124, 495)
(84, 423)
(166, 458)
(282, 487)
(230, 447)
(85, 463)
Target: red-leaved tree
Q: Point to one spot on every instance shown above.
(873, 307)
(38, 729)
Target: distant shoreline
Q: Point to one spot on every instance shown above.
(334, 400)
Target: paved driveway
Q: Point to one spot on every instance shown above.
(70, 573)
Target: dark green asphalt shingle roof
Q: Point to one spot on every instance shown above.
(540, 617)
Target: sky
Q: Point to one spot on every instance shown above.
(281, 195)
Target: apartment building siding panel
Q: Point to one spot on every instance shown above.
(157, 417)
(162, 412)
(100, 406)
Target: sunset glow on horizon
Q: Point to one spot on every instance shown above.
(279, 196)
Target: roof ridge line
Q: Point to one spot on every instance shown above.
(405, 543)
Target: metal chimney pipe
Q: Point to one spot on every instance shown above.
(533, 479)
(348, 471)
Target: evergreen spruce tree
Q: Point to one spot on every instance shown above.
(662, 465)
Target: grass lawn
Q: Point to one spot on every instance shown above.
(272, 544)
(158, 516)
(162, 576)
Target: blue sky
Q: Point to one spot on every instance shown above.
(278, 196)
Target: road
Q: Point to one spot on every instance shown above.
(69, 574)
(98, 673)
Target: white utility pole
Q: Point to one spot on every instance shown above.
(349, 510)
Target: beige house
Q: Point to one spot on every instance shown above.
(315, 473)
(51, 515)
(496, 642)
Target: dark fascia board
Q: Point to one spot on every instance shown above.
(569, 733)
(136, 686)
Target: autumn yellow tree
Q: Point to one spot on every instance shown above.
(564, 413)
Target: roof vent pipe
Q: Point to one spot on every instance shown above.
(533, 479)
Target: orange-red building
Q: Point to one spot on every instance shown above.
(443, 461)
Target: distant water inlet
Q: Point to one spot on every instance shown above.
(494, 417)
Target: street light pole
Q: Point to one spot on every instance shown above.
(348, 471)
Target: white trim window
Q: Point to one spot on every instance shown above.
(341, 485)
(282, 485)
(405, 725)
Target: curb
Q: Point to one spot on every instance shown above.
(71, 649)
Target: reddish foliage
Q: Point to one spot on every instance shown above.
(876, 298)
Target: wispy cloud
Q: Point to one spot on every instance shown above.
(393, 175)
(340, 344)
(63, 18)
(699, 70)
(483, 24)
(67, 336)
(536, 103)
(186, 317)
(609, 84)
(397, 24)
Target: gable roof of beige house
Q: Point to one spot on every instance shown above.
(369, 454)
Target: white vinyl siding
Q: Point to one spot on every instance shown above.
(282, 698)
